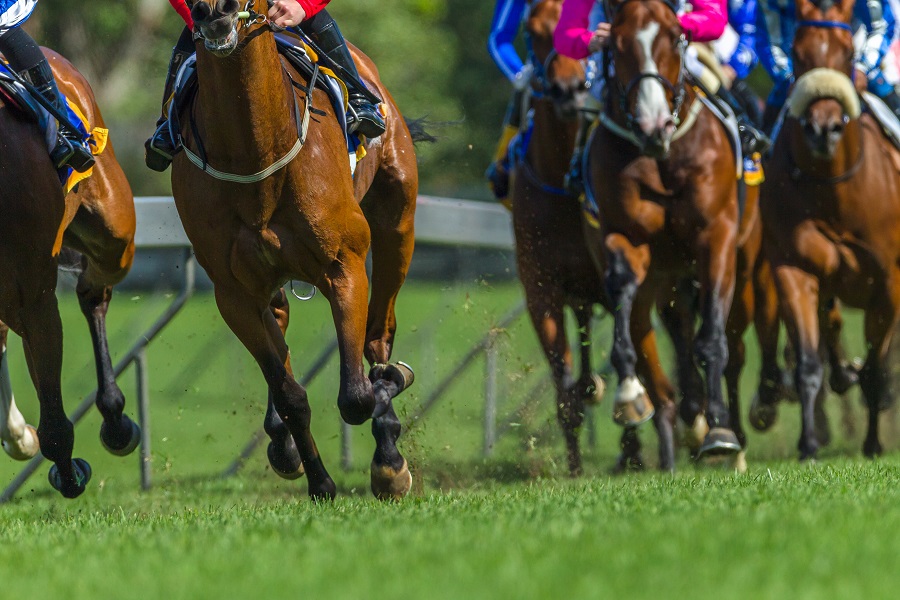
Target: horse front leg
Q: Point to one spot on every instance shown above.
(716, 266)
(19, 439)
(590, 387)
(118, 433)
(626, 269)
(764, 407)
(253, 322)
(799, 295)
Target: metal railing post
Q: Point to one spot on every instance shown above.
(490, 394)
(346, 446)
(142, 375)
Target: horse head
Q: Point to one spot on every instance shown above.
(224, 23)
(556, 77)
(824, 99)
(647, 49)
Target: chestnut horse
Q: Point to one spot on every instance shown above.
(553, 261)
(830, 208)
(305, 218)
(97, 220)
(663, 174)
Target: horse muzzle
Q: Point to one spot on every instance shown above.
(823, 133)
(657, 144)
(218, 26)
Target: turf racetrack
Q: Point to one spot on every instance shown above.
(512, 526)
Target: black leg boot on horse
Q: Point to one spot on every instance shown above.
(497, 173)
(26, 59)
(161, 148)
(324, 31)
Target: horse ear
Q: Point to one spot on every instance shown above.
(807, 11)
(847, 9)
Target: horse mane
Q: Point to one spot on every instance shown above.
(824, 83)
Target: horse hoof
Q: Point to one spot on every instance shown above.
(692, 436)
(82, 476)
(719, 441)
(24, 448)
(762, 416)
(129, 446)
(596, 391)
(740, 462)
(390, 484)
(284, 467)
(400, 373)
(632, 406)
(843, 378)
(626, 464)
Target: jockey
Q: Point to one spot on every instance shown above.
(777, 22)
(740, 58)
(706, 22)
(508, 18)
(312, 19)
(26, 59)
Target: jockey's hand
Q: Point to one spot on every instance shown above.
(523, 78)
(600, 38)
(286, 13)
(860, 80)
(730, 75)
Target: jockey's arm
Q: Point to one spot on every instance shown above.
(878, 19)
(706, 22)
(505, 26)
(742, 17)
(770, 43)
(573, 34)
(183, 11)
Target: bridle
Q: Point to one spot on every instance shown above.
(678, 89)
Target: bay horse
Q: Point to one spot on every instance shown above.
(552, 259)
(663, 174)
(308, 220)
(96, 220)
(830, 208)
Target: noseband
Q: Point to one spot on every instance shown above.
(677, 89)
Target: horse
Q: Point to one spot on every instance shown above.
(306, 218)
(662, 172)
(96, 221)
(552, 259)
(830, 207)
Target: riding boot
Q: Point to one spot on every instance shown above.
(573, 182)
(162, 146)
(752, 139)
(364, 116)
(497, 173)
(71, 150)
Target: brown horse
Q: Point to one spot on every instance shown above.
(830, 208)
(553, 261)
(308, 220)
(663, 175)
(96, 220)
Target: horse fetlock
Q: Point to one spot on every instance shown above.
(632, 405)
(24, 446)
(357, 406)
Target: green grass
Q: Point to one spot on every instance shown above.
(511, 526)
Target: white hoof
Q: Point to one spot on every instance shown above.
(692, 436)
(740, 462)
(25, 447)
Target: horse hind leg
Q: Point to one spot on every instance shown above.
(42, 336)
(880, 323)
(738, 321)
(19, 439)
(282, 452)
(118, 433)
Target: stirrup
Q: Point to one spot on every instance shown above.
(753, 140)
(71, 154)
(158, 152)
(365, 119)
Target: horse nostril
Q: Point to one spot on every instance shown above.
(201, 11)
(229, 6)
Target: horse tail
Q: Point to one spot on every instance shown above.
(417, 130)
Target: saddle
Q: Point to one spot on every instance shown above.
(883, 115)
(17, 98)
(306, 62)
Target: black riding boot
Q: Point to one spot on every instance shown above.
(162, 146)
(366, 118)
(574, 179)
(752, 139)
(70, 149)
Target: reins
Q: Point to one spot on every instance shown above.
(249, 17)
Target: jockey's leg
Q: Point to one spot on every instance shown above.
(26, 58)
(498, 172)
(879, 86)
(774, 103)
(752, 139)
(323, 30)
(574, 180)
(162, 146)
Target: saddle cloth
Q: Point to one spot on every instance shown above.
(305, 60)
(17, 98)
(884, 115)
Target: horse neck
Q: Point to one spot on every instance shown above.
(846, 155)
(552, 142)
(244, 107)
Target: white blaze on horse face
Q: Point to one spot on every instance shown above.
(652, 111)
